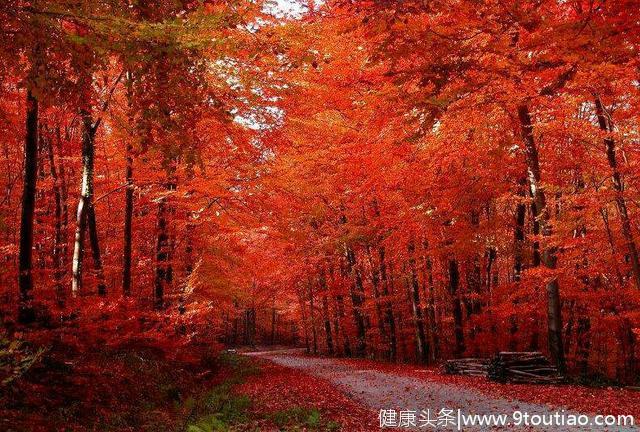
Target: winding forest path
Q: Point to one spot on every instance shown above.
(385, 390)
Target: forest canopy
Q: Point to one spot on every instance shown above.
(412, 181)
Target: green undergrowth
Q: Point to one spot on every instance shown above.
(299, 419)
(220, 409)
(134, 389)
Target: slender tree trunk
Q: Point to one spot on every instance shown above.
(128, 220)
(128, 199)
(325, 311)
(357, 298)
(188, 263)
(43, 212)
(548, 255)
(314, 334)
(421, 339)
(162, 256)
(273, 325)
(251, 326)
(60, 230)
(431, 311)
(64, 195)
(454, 290)
(491, 256)
(605, 219)
(78, 244)
(628, 372)
(85, 215)
(375, 283)
(583, 343)
(304, 321)
(606, 125)
(95, 247)
(346, 343)
(389, 318)
(521, 213)
(164, 245)
(25, 278)
(336, 325)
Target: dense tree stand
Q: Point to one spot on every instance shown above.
(443, 184)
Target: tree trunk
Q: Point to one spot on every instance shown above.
(454, 284)
(162, 275)
(346, 343)
(548, 255)
(325, 311)
(606, 125)
(605, 219)
(60, 229)
(85, 215)
(25, 278)
(421, 340)
(164, 245)
(357, 298)
(304, 322)
(431, 311)
(95, 247)
(128, 204)
(375, 283)
(583, 344)
(314, 334)
(273, 325)
(389, 318)
(521, 213)
(188, 263)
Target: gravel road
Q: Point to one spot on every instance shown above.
(385, 390)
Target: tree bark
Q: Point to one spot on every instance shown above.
(357, 299)
(325, 311)
(521, 213)
(164, 268)
(314, 333)
(128, 204)
(60, 226)
(548, 255)
(162, 274)
(273, 325)
(605, 220)
(421, 339)
(454, 284)
(85, 215)
(25, 278)
(375, 283)
(606, 125)
(431, 315)
(95, 247)
(389, 318)
(304, 321)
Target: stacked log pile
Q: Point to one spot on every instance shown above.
(466, 366)
(512, 367)
(524, 368)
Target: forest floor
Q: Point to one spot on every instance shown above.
(378, 386)
(137, 388)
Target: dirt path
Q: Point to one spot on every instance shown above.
(384, 390)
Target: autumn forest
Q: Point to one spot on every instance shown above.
(406, 182)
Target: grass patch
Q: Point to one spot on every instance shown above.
(221, 410)
(299, 418)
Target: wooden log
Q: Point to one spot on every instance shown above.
(524, 367)
(466, 366)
